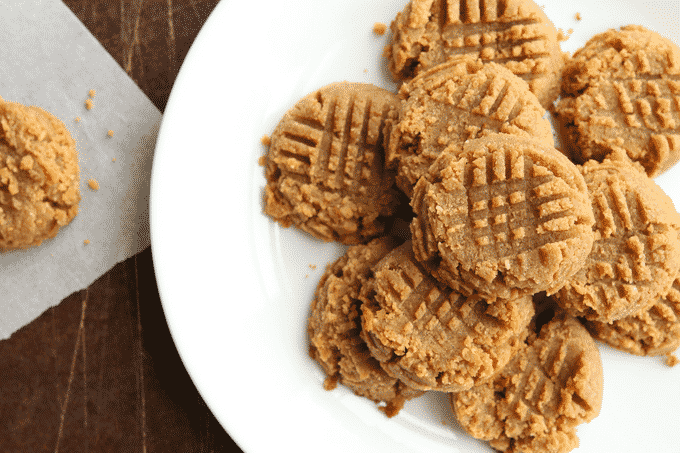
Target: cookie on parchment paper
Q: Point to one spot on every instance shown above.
(39, 176)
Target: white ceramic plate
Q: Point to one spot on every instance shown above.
(236, 287)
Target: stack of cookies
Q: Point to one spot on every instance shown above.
(518, 255)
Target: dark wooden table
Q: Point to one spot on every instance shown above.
(99, 372)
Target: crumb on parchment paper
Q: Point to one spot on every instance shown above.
(86, 241)
(77, 120)
(89, 104)
(92, 93)
(110, 133)
(94, 185)
(379, 28)
(671, 359)
(578, 16)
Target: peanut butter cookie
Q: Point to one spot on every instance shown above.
(536, 402)
(431, 337)
(39, 176)
(636, 253)
(335, 324)
(456, 101)
(325, 165)
(620, 92)
(503, 216)
(513, 33)
(651, 332)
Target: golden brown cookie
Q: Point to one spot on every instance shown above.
(325, 165)
(431, 337)
(636, 253)
(456, 101)
(655, 331)
(334, 327)
(620, 92)
(536, 402)
(514, 33)
(39, 176)
(504, 216)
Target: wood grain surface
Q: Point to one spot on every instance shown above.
(99, 372)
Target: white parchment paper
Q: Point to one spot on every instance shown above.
(49, 59)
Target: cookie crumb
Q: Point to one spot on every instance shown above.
(312, 266)
(89, 104)
(92, 93)
(379, 28)
(86, 241)
(578, 16)
(113, 160)
(671, 359)
(562, 36)
(266, 140)
(94, 185)
(110, 133)
(77, 120)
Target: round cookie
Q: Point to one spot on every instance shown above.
(536, 402)
(456, 101)
(39, 176)
(325, 164)
(431, 337)
(652, 332)
(502, 216)
(636, 253)
(334, 329)
(514, 33)
(620, 92)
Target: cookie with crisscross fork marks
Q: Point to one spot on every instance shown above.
(513, 33)
(325, 164)
(536, 402)
(655, 331)
(503, 216)
(431, 337)
(621, 91)
(335, 324)
(636, 253)
(460, 100)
